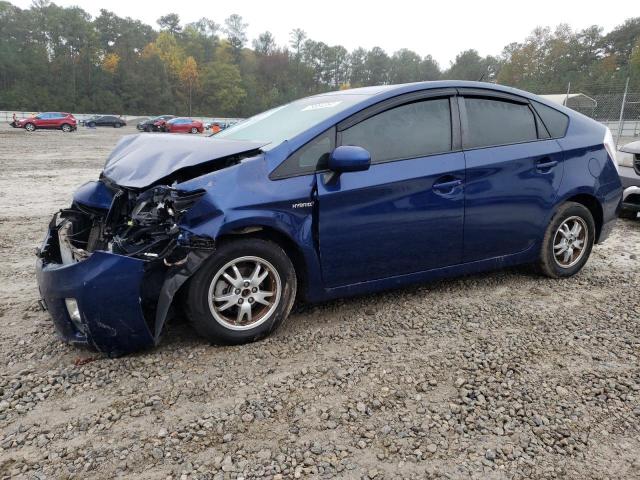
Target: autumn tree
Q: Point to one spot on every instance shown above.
(110, 63)
(189, 76)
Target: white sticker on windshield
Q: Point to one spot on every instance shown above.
(318, 106)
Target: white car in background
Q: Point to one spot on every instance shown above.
(629, 162)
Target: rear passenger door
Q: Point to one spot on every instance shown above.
(405, 214)
(513, 172)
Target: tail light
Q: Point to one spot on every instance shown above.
(610, 147)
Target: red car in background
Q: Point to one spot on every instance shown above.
(49, 120)
(184, 125)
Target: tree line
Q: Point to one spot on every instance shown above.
(55, 58)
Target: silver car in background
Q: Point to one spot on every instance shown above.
(629, 162)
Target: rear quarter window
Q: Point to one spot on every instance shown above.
(555, 121)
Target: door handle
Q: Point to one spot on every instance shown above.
(447, 186)
(545, 163)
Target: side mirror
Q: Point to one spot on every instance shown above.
(348, 158)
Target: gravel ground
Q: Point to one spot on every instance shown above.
(502, 375)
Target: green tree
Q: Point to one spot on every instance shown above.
(468, 65)
(236, 30)
(170, 23)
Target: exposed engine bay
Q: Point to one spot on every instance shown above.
(141, 225)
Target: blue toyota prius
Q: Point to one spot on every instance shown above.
(337, 194)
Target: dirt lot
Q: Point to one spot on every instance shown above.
(503, 375)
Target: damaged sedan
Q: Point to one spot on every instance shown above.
(338, 194)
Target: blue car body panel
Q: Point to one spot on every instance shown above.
(502, 218)
(107, 290)
(94, 194)
(396, 223)
(392, 207)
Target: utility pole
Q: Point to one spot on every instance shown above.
(624, 100)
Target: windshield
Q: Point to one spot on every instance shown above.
(285, 122)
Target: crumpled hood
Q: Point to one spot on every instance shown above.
(140, 160)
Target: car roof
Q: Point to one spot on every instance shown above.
(393, 90)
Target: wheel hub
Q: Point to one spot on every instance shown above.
(244, 293)
(570, 242)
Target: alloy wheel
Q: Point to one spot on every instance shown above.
(570, 242)
(244, 293)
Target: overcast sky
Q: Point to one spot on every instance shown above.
(441, 28)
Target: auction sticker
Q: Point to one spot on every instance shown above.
(318, 106)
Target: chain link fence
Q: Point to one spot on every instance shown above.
(613, 104)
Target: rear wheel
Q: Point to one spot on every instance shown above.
(117, 125)
(30, 127)
(568, 241)
(242, 293)
(65, 127)
(194, 130)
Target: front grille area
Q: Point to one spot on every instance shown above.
(636, 163)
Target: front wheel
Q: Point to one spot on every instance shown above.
(30, 127)
(242, 293)
(568, 241)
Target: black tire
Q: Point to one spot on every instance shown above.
(197, 304)
(65, 127)
(91, 125)
(30, 127)
(548, 264)
(117, 125)
(194, 130)
(148, 128)
(628, 214)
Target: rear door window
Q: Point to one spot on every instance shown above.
(412, 130)
(493, 122)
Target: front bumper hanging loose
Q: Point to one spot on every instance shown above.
(111, 292)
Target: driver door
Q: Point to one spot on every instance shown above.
(405, 214)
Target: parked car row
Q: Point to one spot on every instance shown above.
(162, 123)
